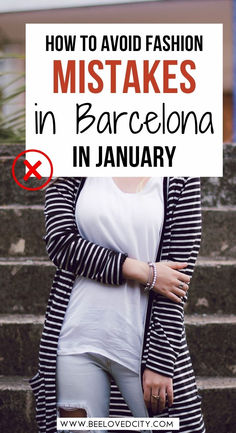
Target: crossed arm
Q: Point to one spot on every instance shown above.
(169, 278)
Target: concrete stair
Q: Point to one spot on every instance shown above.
(35, 275)
(26, 275)
(218, 404)
(19, 332)
(17, 239)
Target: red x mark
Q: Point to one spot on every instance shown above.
(32, 169)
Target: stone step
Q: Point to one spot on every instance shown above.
(218, 231)
(218, 404)
(10, 192)
(30, 281)
(17, 405)
(206, 334)
(220, 191)
(22, 228)
(215, 191)
(212, 344)
(212, 287)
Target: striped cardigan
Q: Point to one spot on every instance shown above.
(164, 347)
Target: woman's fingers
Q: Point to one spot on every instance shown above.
(182, 277)
(179, 292)
(171, 283)
(173, 297)
(155, 399)
(182, 286)
(175, 265)
(174, 293)
(162, 399)
(170, 395)
(157, 390)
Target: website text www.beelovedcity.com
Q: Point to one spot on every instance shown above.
(118, 423)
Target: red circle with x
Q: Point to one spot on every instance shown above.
(32, 170)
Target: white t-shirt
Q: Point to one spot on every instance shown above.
(103, 318)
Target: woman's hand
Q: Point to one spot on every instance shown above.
(170, 282)
(157, 389)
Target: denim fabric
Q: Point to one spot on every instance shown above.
(83, 381)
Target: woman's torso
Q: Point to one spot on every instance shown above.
(109, 319)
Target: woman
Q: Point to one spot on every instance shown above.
(124, 261)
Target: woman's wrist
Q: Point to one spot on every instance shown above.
(137, 270)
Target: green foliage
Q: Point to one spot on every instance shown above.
(12, 125)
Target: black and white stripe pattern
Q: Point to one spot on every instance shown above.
(165, 349)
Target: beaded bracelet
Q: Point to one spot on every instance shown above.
(149, 286)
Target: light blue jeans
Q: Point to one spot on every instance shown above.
(83, 382)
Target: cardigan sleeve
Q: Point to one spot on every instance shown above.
(66, 247)
(166, 329)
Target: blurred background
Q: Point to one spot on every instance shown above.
(25, 272)
(15, 13)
